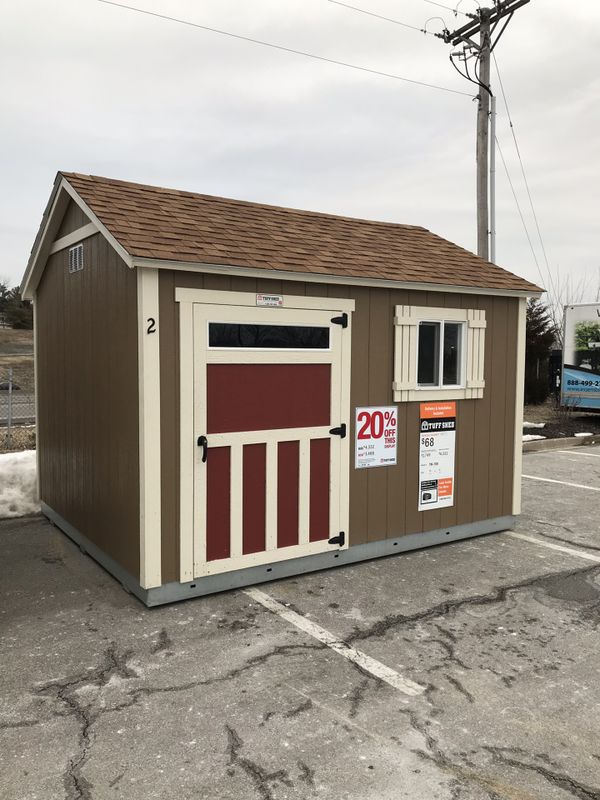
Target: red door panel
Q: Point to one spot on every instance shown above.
(254, 498)
(217, 503)
(288, 471)
(254, 397)
(319, 490)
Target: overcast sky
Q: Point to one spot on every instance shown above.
(91, 88)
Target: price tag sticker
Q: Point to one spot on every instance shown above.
(437, 439)
(376, 436)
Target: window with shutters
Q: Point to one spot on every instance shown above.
(439, 353)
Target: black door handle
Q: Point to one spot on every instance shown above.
(203, 443)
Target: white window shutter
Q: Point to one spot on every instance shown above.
(405, 353)
(476, 325)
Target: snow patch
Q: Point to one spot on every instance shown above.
(534, 424)
(18, 484)
(584, 434)
(531, 437)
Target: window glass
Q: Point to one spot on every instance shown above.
(428, 369)
(452, 354)
(228, 334)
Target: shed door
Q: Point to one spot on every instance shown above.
(267, 394)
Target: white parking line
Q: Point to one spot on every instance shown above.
(551, 546)
(577, 452)
(563, 483)
(365, 662)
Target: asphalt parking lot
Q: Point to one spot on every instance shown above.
(494, 643)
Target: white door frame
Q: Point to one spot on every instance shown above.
(195, 307)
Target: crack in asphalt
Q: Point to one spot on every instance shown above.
(65, 691)
(293, 712)
(24, 723)
(231, 674)
(307, 775)
(380, 628)
(356, 696)
(460, 688)
(560, 779)
(259, 776)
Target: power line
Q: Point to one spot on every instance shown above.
(455, 11)
(380, 16)
(514, 135)
(535, 258)
(282, 48)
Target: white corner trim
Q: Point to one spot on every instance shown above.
(36, 396)
(101, 227)
(74, 237)
(215, 297)
(313, 277)
(519, 402)
(149, 428)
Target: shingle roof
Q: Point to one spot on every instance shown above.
(151, 222)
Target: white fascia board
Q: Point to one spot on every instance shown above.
(28, 291)
(312, 277)
(43, 245)
(93, 218)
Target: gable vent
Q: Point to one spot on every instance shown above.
(76, 258)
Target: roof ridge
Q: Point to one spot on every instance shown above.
(237, 201)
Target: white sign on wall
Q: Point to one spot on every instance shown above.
(376, 436)
(437, 435)
(270, 300)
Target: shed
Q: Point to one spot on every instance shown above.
(230, 392)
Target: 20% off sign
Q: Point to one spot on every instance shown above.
(376, 436)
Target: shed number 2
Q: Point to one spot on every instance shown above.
(151, 325)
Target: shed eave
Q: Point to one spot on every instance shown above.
(313, 277)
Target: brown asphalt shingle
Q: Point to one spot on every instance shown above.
(151, 222)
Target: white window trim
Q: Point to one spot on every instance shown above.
(406, 324)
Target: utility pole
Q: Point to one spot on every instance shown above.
(482, 144)
(483, 22)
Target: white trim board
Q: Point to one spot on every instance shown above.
(74, 237)
(149, 429)
(215, 297)
(519, 401)
(101, 227)
(312, 277)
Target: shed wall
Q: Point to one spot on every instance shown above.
(383, 501)
(87, 424)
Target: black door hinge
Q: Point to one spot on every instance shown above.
(339, 539)
(341, 431)
(343, 320)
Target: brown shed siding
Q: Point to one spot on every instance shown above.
(88, 398)
(73, 219)
(383, 501)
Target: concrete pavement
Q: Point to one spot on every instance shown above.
(221, 698)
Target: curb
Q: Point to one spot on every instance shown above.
(558, 444)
